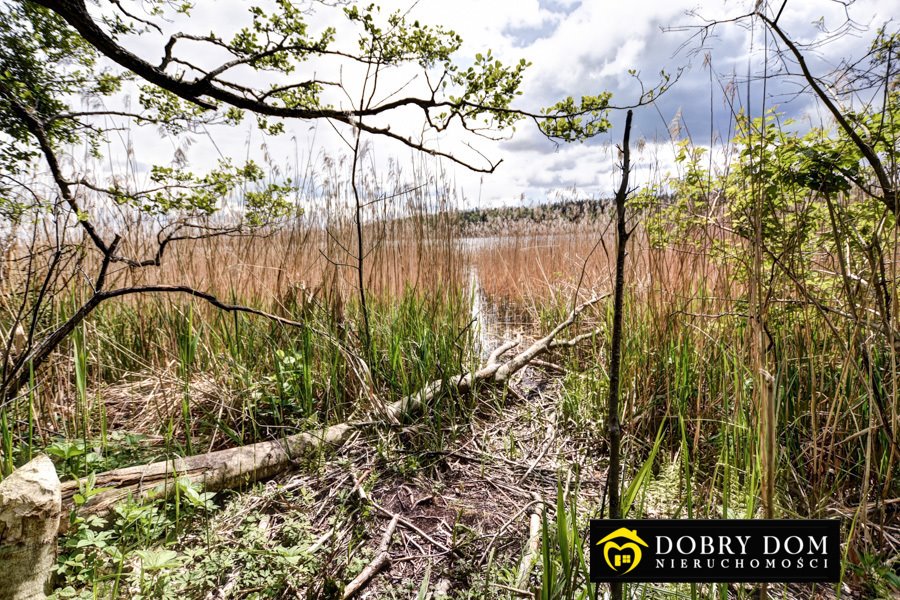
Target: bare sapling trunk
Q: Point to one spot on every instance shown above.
(615, 354)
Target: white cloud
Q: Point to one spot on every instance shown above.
(576, 48)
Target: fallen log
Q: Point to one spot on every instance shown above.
(381, 561)
(532, 546)
(235, 467)
(214, 471)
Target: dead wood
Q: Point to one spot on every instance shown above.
(532, 546)
(381, 561)
(214, 471)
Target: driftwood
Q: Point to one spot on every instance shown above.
(234, 467)
(215, 471)
(381, 561)
(532, 547)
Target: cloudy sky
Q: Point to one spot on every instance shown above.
(576, 47)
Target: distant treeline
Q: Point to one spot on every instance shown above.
(572, 211)
(556, 216)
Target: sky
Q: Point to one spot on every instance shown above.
(576, 47)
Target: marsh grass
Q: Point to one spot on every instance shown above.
(155, 376)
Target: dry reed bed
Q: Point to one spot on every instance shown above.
(687, 298)
(522, 267)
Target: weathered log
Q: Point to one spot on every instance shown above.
(381, 561)
(530, 553)
(214, 471)
(231, 468)
(29, 519)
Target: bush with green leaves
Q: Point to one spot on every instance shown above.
(97, 554)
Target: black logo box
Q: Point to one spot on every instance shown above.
(770, 553)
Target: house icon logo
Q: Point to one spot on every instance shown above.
(622, 557)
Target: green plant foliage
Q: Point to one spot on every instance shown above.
(564, 567)
(577, 121)
(400, 40)
(95, 551)
(41, 65)
(72, 456)
(180, 190)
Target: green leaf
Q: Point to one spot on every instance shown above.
(635, 485)
(157, 560)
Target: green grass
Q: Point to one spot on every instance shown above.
(280, 380)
